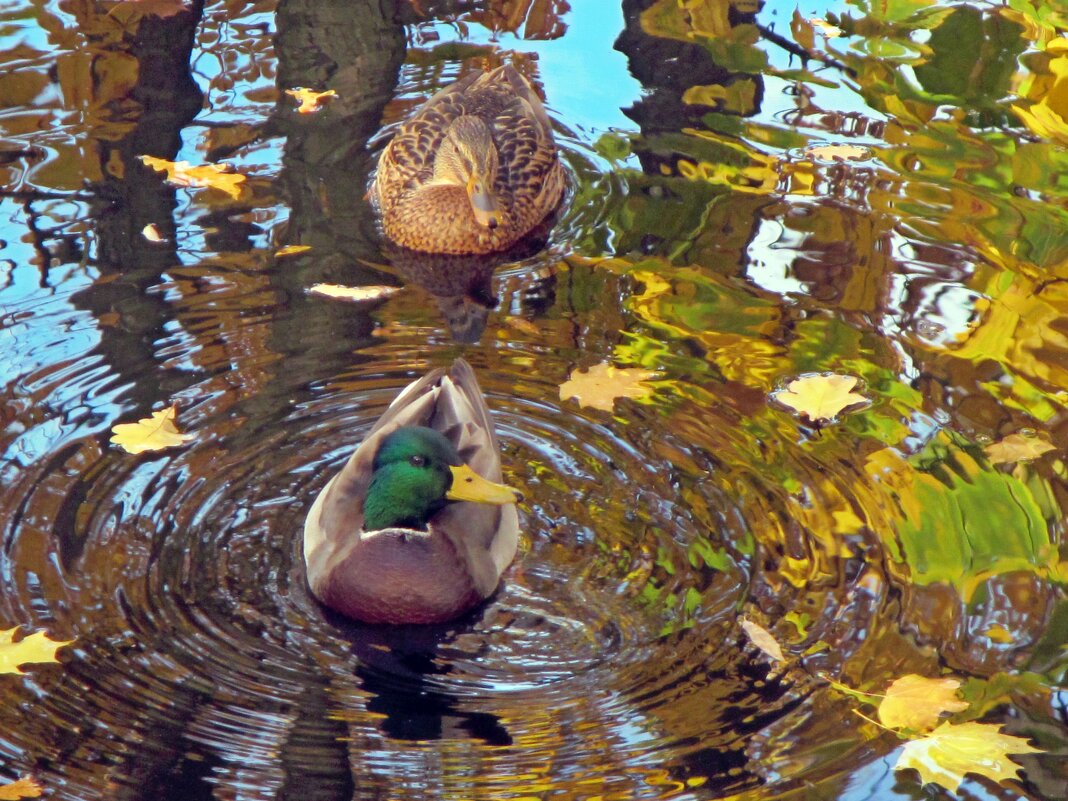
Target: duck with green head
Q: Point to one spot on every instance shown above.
(416, 528)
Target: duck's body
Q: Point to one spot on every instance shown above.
(473, 170)
(402, 573)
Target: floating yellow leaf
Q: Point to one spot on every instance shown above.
(310, 100)
(999, 634)
(150, 434)
(357, 294)
(1018, 447)
(599, 386)
(820, 396)
(292, 250)
(26, 787)
(838, 153)
(522, 325)
(762, 639)
(916, 702)
(215, 176)
(950, 751)
(34, 647)
(151, 233)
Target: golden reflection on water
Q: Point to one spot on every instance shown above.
(718, 240)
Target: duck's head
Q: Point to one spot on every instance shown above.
(468, 158)
(415, 473)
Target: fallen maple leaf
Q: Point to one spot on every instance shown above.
(310, 100)
(150, 433)
(599, 386)
(820, 396)
(1018, 447)
(214, 176)
(916, 702)
(762, 639)
(357, 294)
(26, 787)
(951, 750)
(838, 153)
(34, 647)
(292, 250)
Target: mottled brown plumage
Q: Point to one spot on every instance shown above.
(473, 170)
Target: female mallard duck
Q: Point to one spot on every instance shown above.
(394, 537)
(473, 170)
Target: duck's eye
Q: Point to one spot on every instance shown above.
(417, 461)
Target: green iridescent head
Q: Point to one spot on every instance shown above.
(415, 473)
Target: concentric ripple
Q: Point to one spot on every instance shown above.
(180, 577)
(610, 663)
(610, 659)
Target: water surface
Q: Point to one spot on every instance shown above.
(704, 240)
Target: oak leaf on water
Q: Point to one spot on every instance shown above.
(36, 647)
(916, 702)
(602, 384)
(214, 176)
(838, 152)
(952, 750)
(820, 396)
(523, 325)
(1018, 447)
(26, 787)
(150, 433)
(763, 639)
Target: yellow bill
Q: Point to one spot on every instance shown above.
(467, 485)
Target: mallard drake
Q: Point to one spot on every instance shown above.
(416, 528)
(473, 170)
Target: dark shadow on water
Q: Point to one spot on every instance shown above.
(396, 664)
(462, 286)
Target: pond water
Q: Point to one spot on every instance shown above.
(710, 238)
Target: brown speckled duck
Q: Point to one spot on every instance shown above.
(416, 527)
(473, 170)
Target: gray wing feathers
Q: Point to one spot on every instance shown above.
(452, 404)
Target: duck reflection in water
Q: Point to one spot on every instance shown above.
(462, 286)
(405, 673)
